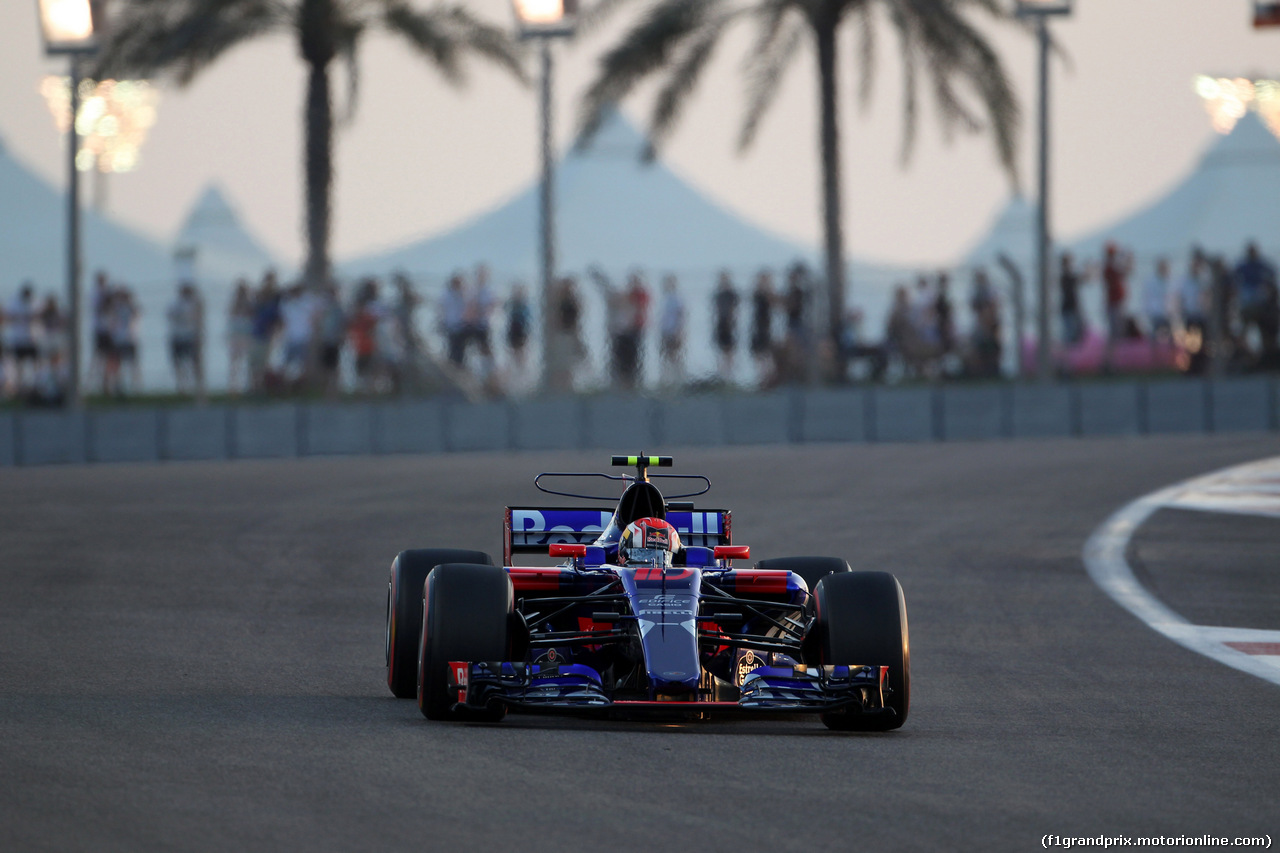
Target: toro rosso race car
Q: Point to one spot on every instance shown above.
(650, 612)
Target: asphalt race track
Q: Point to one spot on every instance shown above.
(191, 658)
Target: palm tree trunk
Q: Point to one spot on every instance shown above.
(825, 22)
(319, 173)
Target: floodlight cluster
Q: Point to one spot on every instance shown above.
(113, 120)
(1227, 100)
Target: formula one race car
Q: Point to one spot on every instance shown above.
(646, 615)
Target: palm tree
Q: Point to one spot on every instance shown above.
(183, 37)
(677, 38)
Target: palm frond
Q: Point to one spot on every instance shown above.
(445, 34)
(646, 48)
(348, 40)
(910, 84)
(954, 49)
(765, 75)
(681, 80)
(597, 14)
(866, 54)
(149, 38)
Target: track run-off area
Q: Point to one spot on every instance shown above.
(192, 659)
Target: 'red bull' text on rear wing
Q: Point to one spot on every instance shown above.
(530, 530)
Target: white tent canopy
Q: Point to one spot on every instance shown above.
(1232, 197)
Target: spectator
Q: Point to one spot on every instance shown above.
(854, 347)
(478, 320)
(332, 331)
(50, 385)
(519, 319)
(100, 304)
(20, 324)
(365, 317)
(944, 315)
(565, 347)
(724, 311)
(239, 338)
(1116, 267)
(407, 302)
(671, 327)
(1069, 281)
(453, 315)
(1254, 276)
(985, 347)
(126, 376)
(795, 302)
(638, 304)
(900, 330)
(1156, 294)
(620, 324)
(266, 326)
(53, 334)
(1193, 293)
(186, 340)
(762, 349)
(299, 317)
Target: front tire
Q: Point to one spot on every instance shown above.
(409, 572)
(467, 611)
(862, 621)
(812, 569)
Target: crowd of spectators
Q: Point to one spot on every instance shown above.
(1215, 311)
(283, 339)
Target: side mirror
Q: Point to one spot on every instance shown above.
(566, 549)
(732, 552)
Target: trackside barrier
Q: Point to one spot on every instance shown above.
(861, 414)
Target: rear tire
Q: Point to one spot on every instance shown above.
(467, 613)
(812, 569)
(409, 572)
(862, 620)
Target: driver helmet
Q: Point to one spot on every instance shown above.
(648, 542)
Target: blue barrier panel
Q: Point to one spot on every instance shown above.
(409, 427)
(554, 424)
(621, 424)
(124, 435)
(334, 428)
(904, 414)
(833, 415)
(8, 434)
(482, 426)
(1241, 405)
(1041, 411)
(1176, 405)
(1109, 409)
(693, 422)
(195, 433)
(976, 413)
(51, 438)
(266, 432)
(758, 419)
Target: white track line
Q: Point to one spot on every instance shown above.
(1104, 558)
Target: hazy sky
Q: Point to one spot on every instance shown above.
(421, 156)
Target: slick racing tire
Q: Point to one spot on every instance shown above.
(404, 610)
(862, 620)
(467, 613)
(812, 569)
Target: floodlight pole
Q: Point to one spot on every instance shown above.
(546, 211)
(74, 397)
(1043, 244)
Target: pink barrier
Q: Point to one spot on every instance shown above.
(1089, 355)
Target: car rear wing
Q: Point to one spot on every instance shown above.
(530, 530)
